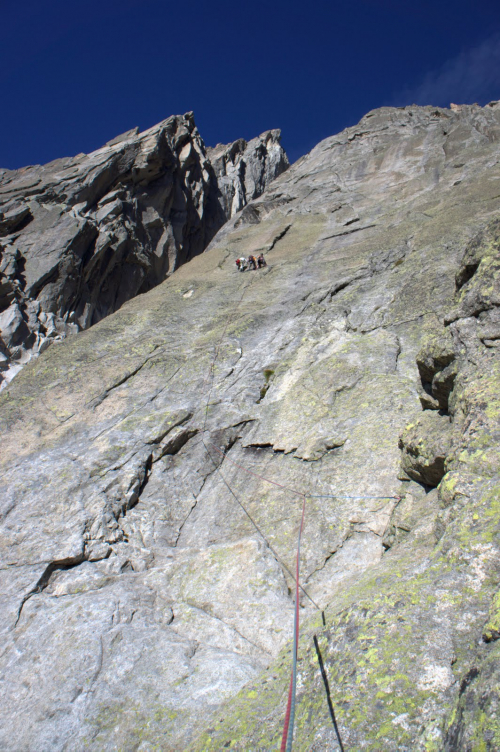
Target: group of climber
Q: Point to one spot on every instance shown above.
(251, 262)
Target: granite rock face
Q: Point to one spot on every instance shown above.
(154, 468)
(244, 169)
(80, 236)
(425, 444)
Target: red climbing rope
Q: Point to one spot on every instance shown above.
(288, 488)
(268, 544)
(289, 723)
(287, 738)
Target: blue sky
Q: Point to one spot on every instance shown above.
(75, 74)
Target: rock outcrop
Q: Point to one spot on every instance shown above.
(79, 237)
(245, 169)
(154, 468)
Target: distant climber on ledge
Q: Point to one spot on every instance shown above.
(251, 262)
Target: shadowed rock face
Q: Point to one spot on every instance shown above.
(80, 236)
(244, 170)
(141, 607)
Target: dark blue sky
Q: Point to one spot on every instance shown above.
(75, 74)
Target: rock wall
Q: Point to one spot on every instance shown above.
(79, 237)
(154, 467)
(244, 169)
(411, 647)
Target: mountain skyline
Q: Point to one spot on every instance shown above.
(73, 79)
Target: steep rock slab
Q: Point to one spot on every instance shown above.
(411, 647)
(139, 457)
(80, 236)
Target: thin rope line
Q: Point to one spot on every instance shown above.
(287, 716)
(287, 739)
(256, 475)
(328, 694)
(288, 488)
(211, 372)
(340, 496)
(275, 553)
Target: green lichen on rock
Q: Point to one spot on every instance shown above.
(398, 680)
(491, 630)
(144, 449)
(437, 350)
(392, 670)
(474, 722)
(425, 444)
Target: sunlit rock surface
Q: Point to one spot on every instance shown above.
(153, 468)
(80, 236)
(245, 169)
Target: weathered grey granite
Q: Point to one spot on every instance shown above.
(141, 608)
(79, 237)
(245, 169)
